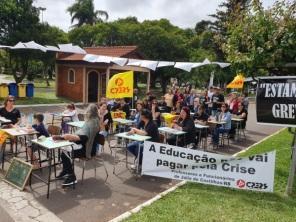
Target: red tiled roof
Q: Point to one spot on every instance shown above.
(116, 51)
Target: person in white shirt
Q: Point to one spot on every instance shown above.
(69, 115)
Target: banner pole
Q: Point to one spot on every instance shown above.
(289, 188)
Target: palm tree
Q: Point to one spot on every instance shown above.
(84, 12)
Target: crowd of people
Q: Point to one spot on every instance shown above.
(189, 106)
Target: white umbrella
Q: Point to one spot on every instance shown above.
(164, 64)
(90, 58)
(119, 61)
(71, 48)
(5, 47)
(52, 48)
(104, 59)
(187, 66)
(149, 64)
(134, 62)
(29, 45)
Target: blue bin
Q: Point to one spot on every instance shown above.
(30, 90)
(12, 89)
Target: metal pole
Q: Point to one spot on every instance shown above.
(289, 187)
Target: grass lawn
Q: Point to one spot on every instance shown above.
(198, 202)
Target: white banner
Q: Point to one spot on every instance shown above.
(249, 173)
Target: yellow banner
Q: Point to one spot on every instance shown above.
(121, 85)
(237, 82)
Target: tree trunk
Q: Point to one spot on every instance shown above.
(163, 82)
(152, 79)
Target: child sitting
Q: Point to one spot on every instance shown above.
(42, 131)
(69, 115)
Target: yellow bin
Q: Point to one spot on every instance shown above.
(22, 90)
(4, 90)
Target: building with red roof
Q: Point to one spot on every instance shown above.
(82, 81)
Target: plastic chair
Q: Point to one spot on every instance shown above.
(99, 139)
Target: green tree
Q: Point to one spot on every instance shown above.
(18, 22)
(84, 12)
(262, 39)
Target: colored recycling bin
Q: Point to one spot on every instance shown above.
(12, 89)
(30, 90)
(22, 90)
(3, 90)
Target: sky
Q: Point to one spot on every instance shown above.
(183, 13)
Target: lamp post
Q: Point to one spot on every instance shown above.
(42, 9)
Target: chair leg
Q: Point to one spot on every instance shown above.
(105, 170)
(95, 165)
(83, 168)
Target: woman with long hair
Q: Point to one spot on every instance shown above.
(84, 141)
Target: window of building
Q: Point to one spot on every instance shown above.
(71, 76)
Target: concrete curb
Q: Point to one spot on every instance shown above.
(147, 203)
(158, 196)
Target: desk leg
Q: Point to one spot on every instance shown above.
(73, 161)
(16, 138)
(3, 146)
(49, 172)
(138, 158)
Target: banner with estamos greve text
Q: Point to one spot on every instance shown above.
(276, 100)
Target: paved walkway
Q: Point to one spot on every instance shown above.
(95, 200)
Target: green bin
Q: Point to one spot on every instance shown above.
(3, 90)
(22, 90)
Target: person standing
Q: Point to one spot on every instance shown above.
(217, 101)
(168, 97)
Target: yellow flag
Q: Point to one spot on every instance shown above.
(121, 85)
(237, 82)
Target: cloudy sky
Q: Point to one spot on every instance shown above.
(184, 13)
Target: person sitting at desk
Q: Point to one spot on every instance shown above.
(12, 114)
(69, 115)
(225, 116)
(201, 117)
(186, 124)
(9, 112)
(155, 111)
(177, 108)
(242, 113)
(139, 108)
(84, 140)
(150, 129)
(105, 121)
(125, 108)
(42, 131)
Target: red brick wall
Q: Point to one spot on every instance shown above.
(73, 92)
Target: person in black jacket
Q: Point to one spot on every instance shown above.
(186, 124)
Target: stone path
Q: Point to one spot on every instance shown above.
(22, 206)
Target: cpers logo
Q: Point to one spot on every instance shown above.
(240, 183)
(119, 82)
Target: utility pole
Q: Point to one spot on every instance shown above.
(41, 9)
